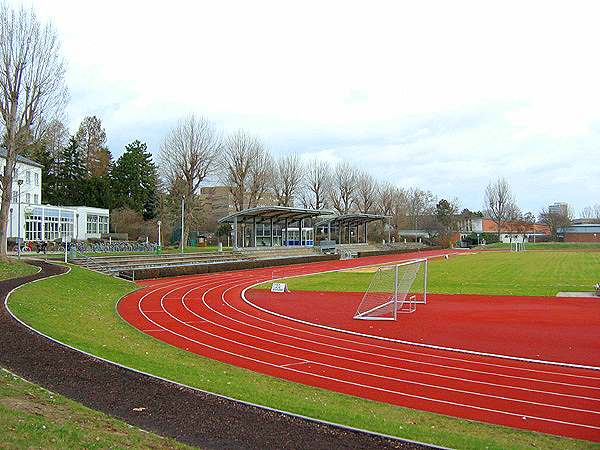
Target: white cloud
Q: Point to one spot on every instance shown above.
(442, 94)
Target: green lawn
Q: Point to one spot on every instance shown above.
(15, 269)
(79, 309)
(546, 246)
(523, 273)
(32, 417)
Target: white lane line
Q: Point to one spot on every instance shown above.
(468, 380)
(418, 353)
(295, 363)
(403, 394)
(352, 360)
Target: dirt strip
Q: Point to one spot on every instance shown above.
(190, 416)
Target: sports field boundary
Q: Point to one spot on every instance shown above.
(376, 435)
(401, 341)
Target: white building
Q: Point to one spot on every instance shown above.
(39, 222)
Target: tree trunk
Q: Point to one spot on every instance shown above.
(6, 199)
(5, 206)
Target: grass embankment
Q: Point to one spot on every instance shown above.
(545, 246)
(32, 417)
(15, 269)
(519, 273)
(79, 309)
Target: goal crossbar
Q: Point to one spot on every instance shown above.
(389, 291)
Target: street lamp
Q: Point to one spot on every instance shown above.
(182, 211)
(159, 224)
(76, 227)
(19, 182)
(10, 223)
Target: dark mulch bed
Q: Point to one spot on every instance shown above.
(190, 416)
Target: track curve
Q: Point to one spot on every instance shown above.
(206, 315)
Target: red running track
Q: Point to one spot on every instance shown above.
(206, 315)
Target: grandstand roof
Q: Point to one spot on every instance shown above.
(350, 219)
(264, 213)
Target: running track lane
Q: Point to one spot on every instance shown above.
(206, 315)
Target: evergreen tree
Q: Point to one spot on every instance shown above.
(134, 180)
(71, 173)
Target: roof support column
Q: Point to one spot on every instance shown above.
(366, 235)
(286, 232)
(235, 234)
(254, 231)
(329, 230)
(301, 226)
(272, 245)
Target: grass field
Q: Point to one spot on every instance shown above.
(547, 246)
(32, 417)
(79, 309)
(15, 269)
(523, 273)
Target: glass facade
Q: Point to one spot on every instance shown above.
(97, 224)
(48, 224)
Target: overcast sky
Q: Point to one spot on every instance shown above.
(443, 95)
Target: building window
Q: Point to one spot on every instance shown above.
(33, 228)
(28, 176)
(27, 198)
(35, 199)
(36, 178)
(103, 224)
(92, 224)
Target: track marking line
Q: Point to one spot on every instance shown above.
(295, 363)
(360, 385)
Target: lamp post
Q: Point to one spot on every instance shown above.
(76, 227)
(159, 224)
(19, 182)
(10, 224)
(182, 213)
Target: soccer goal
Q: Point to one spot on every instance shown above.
(394, 290)
(517, 246)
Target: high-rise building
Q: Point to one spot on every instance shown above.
(560, 208)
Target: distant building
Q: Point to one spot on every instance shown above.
(559, 208)
(580, 233)
(510, 231)
(39, 222)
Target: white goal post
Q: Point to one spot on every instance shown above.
(394, 290)
(517, 246)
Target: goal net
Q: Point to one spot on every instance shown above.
(393, 290)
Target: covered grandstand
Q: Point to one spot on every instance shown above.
(348, 227)
(273, 226)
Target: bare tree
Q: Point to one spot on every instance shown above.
(187, 157)
(365, 197)
(343, 187)
(420, 203)
(591, 212)
(556, 220)
(316, 182)
(393, 202)
(56, 137)
(91, 139)
(499, 202)
(287, 178)
(245, 168)
(32, 90)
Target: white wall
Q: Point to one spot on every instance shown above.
(31, 189)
